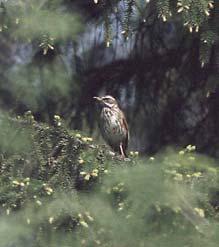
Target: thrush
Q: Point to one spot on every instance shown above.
(113, 124)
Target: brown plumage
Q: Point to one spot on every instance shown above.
(113, 125)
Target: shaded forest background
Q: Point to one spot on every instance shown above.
(58, 185)
(159, 59)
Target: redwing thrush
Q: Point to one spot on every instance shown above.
(113, 125)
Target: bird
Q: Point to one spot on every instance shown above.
(113, 125)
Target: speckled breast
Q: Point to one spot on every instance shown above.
(111, 126)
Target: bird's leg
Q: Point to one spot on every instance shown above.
(121, 150)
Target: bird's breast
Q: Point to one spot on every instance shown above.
(111, 124)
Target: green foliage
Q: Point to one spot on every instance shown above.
(41, 21)
(54, 86)
(127, 17)
(196, 16)
(107, 30)
(55, 24)
(65, 190)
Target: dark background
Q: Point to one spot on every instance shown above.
(164, 76)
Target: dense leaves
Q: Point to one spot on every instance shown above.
(67, 190)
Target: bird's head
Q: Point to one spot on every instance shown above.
(106, 101)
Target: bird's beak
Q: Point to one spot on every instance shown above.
(97, 98)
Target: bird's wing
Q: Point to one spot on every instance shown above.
(126, 139)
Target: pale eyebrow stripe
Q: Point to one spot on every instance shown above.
(108, 97)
